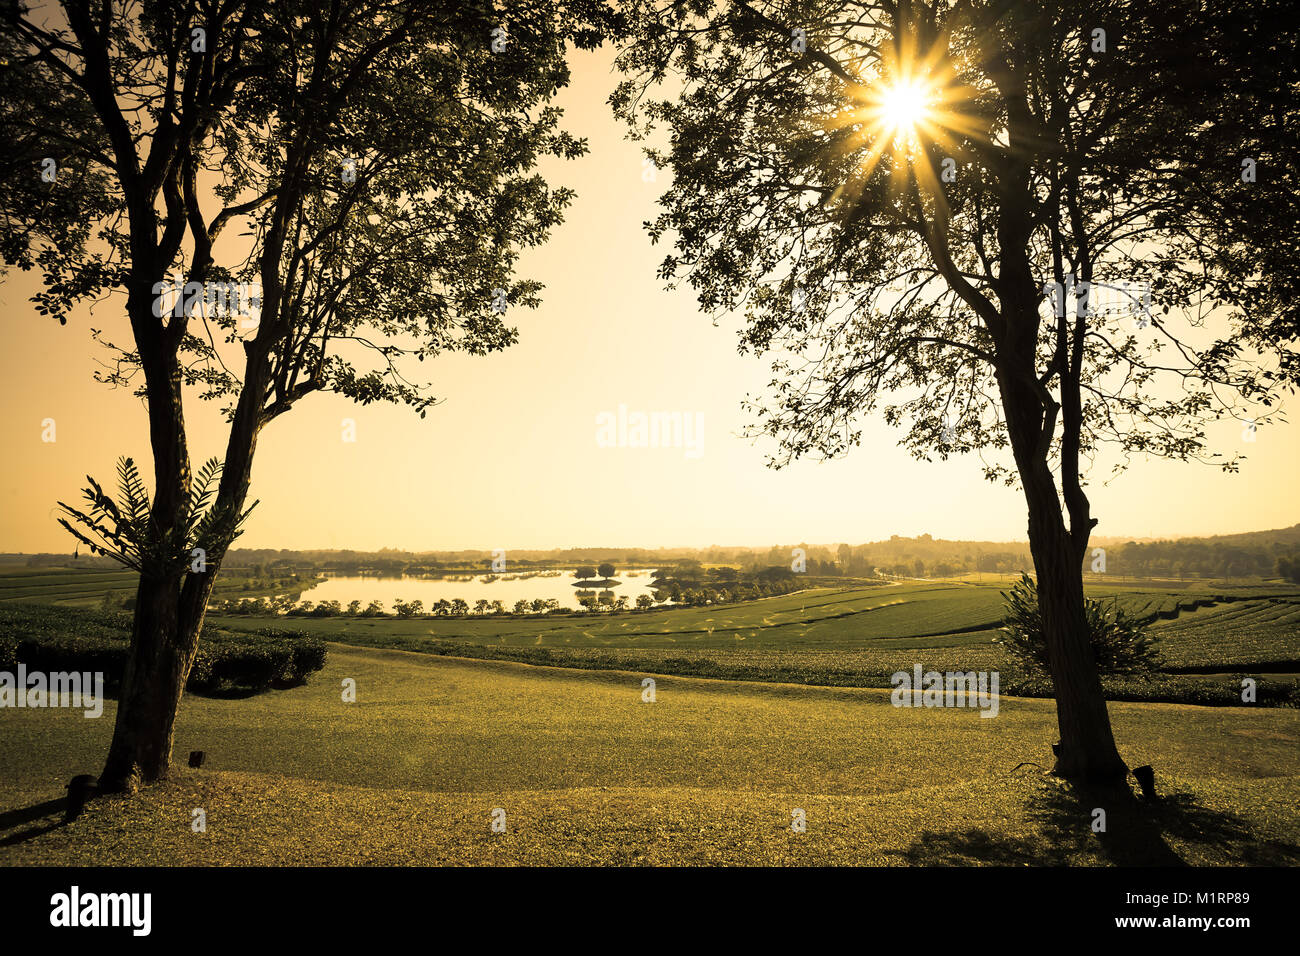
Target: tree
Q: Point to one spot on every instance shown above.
(380, 155)
(405, 609)
(329, 608)
(1289, 569)
(950, 204)
(584, 573)
(606, 571)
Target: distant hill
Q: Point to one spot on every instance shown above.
(1289, 537)
(1244, 554)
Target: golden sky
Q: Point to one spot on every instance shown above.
(512, 457)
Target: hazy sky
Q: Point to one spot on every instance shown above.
(511, 458)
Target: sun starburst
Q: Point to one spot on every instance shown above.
(911, 104)
(903, 106)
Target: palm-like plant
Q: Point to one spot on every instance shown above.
(1120, 642)
(125, 530)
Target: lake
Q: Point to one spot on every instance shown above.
(505, 587)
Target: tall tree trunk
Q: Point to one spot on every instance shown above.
(170, 598)
(169, 616)
(163, 645)
(161, 650)
(1087, 748)
(168, 622)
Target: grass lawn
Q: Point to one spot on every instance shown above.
(588, 773)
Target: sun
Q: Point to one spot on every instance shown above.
(908, 112)
(903, 106)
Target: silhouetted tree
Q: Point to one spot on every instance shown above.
(380, 155)
(942, 202)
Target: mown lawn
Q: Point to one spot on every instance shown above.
(587, 772)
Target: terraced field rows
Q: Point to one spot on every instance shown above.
(1248, 633)
(875, 627)
(63, 587)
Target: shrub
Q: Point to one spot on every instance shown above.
(268, 657)
(66, 639)
(1120, 642)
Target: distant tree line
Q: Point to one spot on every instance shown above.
(690, 584)
(1263, 554)
(454, 607)
(1192, 558)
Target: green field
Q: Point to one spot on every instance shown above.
(587, 772)
(762, 708)
(85, 587)
(59, 586)
(855, 636)
(820, 617)
(1234, 634)
(834, 636)
(859, 636)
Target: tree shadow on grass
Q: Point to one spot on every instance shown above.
(966, 848)
(37, 811)
(1136, 834)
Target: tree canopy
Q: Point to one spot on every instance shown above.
(1090, 147)
(380, 159)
